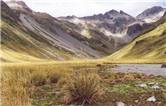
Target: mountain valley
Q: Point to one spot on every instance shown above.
(33, 36)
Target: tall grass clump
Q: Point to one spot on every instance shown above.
(18, 81)
(55, 76)
(83, 88)
(38, 78)
(14, 86)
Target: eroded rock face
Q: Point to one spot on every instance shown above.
(137, 28)
(152, 14)
(47, 36)
(9, 13)
(118, 25)
(18, 5)
(112, 20)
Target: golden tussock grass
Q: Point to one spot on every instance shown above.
(83, 88)
(80, 86)
(17, 78)
(16, 81)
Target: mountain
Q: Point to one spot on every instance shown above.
(148, 47)
(119, 27)
(37, 36)
(18, 5)
(112, 20)
(152, 14)
(112, 24)
(27, 35)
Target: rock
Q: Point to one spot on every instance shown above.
(136, 101)
(163, 66)
(98, 65)
(142, 85)
(120, 104)
(151, 99)
(18, 5)
(156, 86)
(152, 14)
(151, 83)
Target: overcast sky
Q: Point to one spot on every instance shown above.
(90, 7)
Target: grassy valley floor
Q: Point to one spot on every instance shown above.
(91, 83)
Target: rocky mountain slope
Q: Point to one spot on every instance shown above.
(120, 27)
(33, 36)
(150, 46)
(30, 35)
(152, 14)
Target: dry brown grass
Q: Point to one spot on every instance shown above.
(54, 77)
(15, 88)
(17, 79)
(81, 82)
(38, 79)
(83, 88)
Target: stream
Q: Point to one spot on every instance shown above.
(148, 69)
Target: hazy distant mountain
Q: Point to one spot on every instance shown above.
(28, 35)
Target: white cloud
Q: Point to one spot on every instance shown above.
(90, 7)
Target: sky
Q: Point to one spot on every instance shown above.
(81, 8)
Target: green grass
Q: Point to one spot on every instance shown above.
(131, 86)
(127, 88)
(149, 47)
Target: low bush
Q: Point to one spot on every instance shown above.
(83, 88)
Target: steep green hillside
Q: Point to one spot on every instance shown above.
(148, 47)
